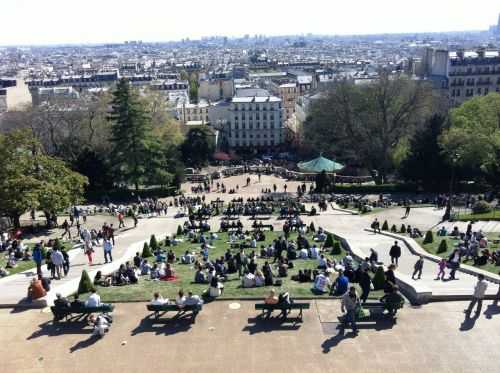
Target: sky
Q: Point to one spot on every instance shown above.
(30, 22)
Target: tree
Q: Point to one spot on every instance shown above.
(425, 163)
(365, 124)
(179, 230)
(394, 229)
(86, 285)
(146, 251)
(30, 179)
(198, 147)
(379, 279)
(337, 248)
(153, 244)
(429, 237)
(329, 241)
(403, 228)
(385, 226)
(473, 138)
(443, 247)
(133, 143)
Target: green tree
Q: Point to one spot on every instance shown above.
(443, 247)
(385, 226)
(133, 143)
(403, 228)
(86, 285)
(366, 124)
(198, 147)
(179, 230)
(329, 241)
(146, 251)
(473, 138)
(425, 163)
(30, 179)
(153, 244)
(337, 248)
(429, 237)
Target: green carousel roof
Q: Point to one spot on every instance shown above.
(320, 164)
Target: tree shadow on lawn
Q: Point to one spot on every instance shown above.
(51, 329)
(262, 324)
(175, 325)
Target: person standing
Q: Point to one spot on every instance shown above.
(111, 233)
(58, 261)
(407, 212)
(395, 253)
(478, 296)
(418, 267)
(38, 258)
(349, 304)
(108, 247)
(121, 220)
(365, 283)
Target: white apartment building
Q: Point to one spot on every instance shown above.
(190, 114)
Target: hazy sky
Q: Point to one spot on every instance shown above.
(69, 21)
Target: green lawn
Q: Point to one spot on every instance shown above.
(144, 290)
(25, 265)
(493, 215)
(451, 243)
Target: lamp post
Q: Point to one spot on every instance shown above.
(454, 160)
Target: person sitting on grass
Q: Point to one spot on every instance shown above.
(187, 258)
(322, 283)
(170, 256)
(392, 300)
(155, 273)
(158, 300)
(130, 273)
(271, 298)
(36, 290)
(267, 270)
(259, 278)
(199, 276)
(248, 280)
(3, 272)
(169, 273)
(340, 285)
(100, 280)
(216, 288)
(145, 268)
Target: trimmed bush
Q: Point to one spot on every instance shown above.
(379, 279)
(403, 228)
(86, 285)
(329, 241)
(179, 230)
(394, 229)
(337, 248)
(146, 251)
(153, 244)
(312, 228)
(385, 226)
(443, 247)
(481, 207)
(429, 237)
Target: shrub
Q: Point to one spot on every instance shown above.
(429, 237)
(85, 285)
(329, 240)
(146, 251)
(179, 230)
(337, 248)
(443, 247)
(385, 226)
(312, 228)
(379, 279)
(153, 244)
(481, 207)
(403, 228)
(394, 229)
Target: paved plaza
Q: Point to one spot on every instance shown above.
(433, 337)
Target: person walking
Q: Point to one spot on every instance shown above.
(108, 247)
(65, 226)
(407, 212)
(38, 258)
(454, 263)
(418, 267)
(349, 304)
(442, 267)
(121, 220)
(478, 296)
(57, 260)
(395, 253)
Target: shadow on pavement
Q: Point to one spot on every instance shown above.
(261, 324)
(491, 311)
(164, 326)
(85, 343)
(50, 329)
(336, 339)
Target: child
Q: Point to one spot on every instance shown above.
(441, 266)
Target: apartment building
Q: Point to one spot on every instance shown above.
(191, 114)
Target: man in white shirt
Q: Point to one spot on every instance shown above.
(478, 296)
(158, 300)
(94, 300)
(314, 252)
(58, 261)
(322, 283)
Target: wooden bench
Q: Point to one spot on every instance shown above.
(285, 308)
(159, 310)
(376, 311)
(65, 313)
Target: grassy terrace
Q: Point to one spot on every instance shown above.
(144, 290)
(29, 264)
(492, 215)
(452, 243)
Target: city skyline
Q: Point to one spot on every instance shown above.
(51, 22)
